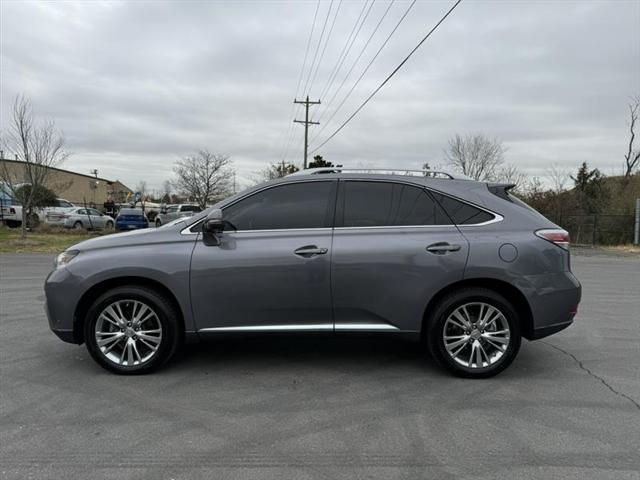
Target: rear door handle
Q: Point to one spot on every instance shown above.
(310, 251)
(442, 247)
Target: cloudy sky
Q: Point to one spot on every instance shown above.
(136, 85)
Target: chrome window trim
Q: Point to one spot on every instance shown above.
(496, 216)
(393, 227)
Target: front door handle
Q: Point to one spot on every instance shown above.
(310, 251)
(442, 248)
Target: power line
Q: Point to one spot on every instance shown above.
(424, 39)
(315, 55)
(326, 42)
(364, 48)
(289, 133)
(353, 87)
(347, 46)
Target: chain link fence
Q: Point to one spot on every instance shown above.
(596, 229)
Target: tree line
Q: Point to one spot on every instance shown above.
(205, 177)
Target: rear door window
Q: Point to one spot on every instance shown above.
(377, 204)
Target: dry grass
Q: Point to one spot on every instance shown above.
(45, 240)
(635, 249)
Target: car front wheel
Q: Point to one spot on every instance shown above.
(474, 333)
(131, 330)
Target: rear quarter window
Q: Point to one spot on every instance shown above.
(462, 213)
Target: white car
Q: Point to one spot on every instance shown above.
(86, 218)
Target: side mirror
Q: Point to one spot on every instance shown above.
(212, 226)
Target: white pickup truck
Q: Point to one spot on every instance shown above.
(12, 214)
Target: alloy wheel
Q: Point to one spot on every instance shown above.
(128, 332)
(476, 335)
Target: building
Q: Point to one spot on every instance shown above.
(77, 188)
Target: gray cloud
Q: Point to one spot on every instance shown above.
(137, 85)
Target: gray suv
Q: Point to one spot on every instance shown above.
(171, 212)
(465, 265)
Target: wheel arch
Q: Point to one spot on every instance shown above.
(509, 291)
(99, 288)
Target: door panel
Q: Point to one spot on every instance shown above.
(273, 267)
(386, 275)
(257, 279)
(393, 248)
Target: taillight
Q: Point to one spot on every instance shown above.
(556, 236)
(12, 210)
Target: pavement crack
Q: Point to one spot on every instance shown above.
(597, 377)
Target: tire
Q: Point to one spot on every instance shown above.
(33, 221)
(116, 359)
(13, 223)
(496, 346)
(78, 225)
(158, 223)
(108, 225)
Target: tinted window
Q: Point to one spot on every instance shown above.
(299, 205)
(462, 213)
(172, 209)
(190, 208)
(131, 211)
(82, 211)
(372, 204)
(94, 212)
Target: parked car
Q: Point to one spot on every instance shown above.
(464, 265)
(12, 215)
(86, 218)
(54, 214)
(131, 219)
(9, 213)
(171, 212)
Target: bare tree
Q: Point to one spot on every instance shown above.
(476, 156)
(167, 189)
(37, 147)
(275, 170)
(205, 177)
(632, 157)
(509, 173)
(558, 176)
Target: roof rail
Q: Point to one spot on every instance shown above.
(389, 171)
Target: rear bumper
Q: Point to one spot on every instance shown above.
(539, 333)
(554, 300)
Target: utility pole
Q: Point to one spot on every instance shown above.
(306, 123)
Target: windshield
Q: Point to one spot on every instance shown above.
(131, 211)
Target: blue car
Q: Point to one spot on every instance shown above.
(131, 219)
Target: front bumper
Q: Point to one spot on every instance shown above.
(61, 292)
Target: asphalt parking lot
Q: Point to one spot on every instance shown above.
(300, 407)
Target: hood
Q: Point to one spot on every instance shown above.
(136, 237)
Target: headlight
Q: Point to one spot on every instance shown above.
(65, 257)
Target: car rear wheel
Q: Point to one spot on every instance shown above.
(474, 333)
(132, 330)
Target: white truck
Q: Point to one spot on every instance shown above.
(11, 215)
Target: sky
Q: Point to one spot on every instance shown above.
(137, 85)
